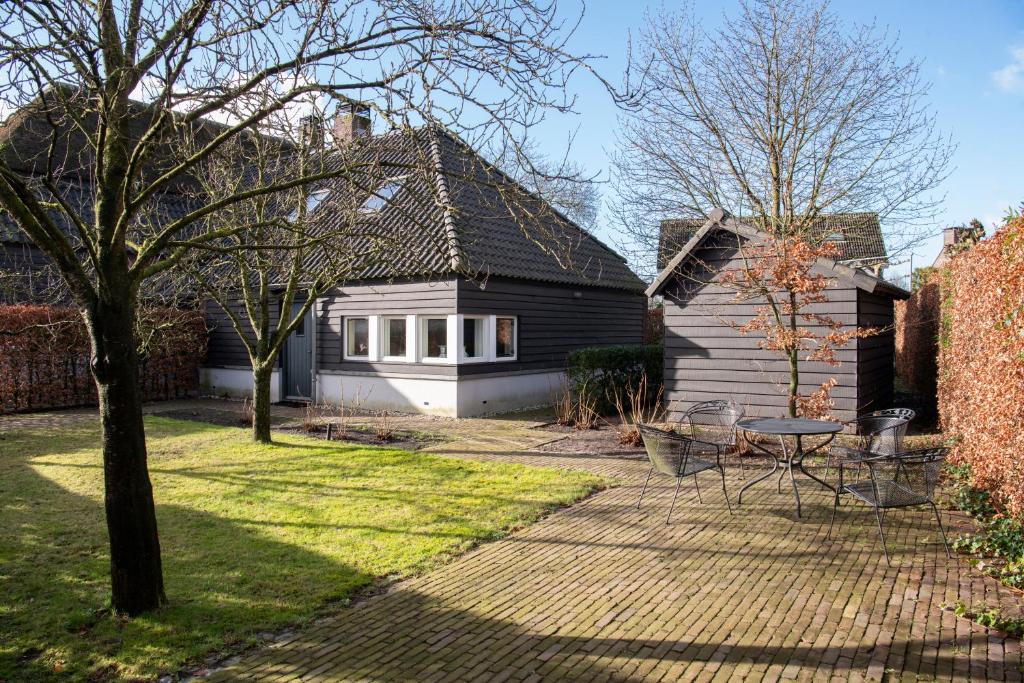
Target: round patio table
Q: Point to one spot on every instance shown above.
(783, 427)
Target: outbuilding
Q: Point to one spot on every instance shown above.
(707, 358)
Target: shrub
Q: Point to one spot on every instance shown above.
(917, 332)
(981, 364)
(45, 355)
(597, 373)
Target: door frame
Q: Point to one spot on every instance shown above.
(311, 324)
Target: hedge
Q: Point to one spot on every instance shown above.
(45, 355)
(597, 371)
(981, 363)
(917, 332)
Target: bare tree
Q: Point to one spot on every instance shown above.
(128, 99)
(288, 248)
(780, 117)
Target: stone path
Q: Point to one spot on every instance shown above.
(603, 591)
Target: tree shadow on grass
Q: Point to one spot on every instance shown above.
(226, 581)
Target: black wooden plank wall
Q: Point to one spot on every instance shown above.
(553, 319)
(706, 358)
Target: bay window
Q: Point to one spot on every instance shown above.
(504, 338)
(474, 337)
(434, 338)
(395, 338)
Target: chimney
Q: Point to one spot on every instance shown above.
(311, 130)
(352, 123)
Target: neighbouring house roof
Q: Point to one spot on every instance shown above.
(454, 214)
(858, 236)
(719, 220)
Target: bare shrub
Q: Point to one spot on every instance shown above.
(585, 413)
(383, 428)
(634, 407)
(565, 407)
(247, 412)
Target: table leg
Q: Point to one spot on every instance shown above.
(803, 469)
(775, 467)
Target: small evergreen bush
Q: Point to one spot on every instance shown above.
(598, 372)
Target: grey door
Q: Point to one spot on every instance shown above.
(298, 358)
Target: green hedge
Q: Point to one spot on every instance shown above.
(597, 371)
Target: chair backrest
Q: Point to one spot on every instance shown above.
(714, 422)
(905, 413)
(916, 472)
(667, 451)
(880, 434)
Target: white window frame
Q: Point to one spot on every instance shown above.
(372, 325)
(410, 339)
(492, 340)
(452, 333)
(486, 333)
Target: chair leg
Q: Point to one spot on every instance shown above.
(942, 531)
(679, 480)
(878, 519)
(721, 470)
(828, 465)
(835, 506)
(644, 489)
(699, 499)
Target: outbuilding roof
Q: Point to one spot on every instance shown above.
(857, 235)
(719, 220)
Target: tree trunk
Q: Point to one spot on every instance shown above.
(794, 381)
(136, 573)
(261, 374)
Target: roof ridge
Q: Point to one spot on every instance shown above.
(455, 255)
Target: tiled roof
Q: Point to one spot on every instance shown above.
(464, 216)
(858, 235)
(453, 214)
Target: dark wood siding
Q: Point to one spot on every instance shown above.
(225, 349)
(385, 298)
(876, 355)
(706, 358)
(553, 319)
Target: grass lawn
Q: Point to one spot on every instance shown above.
(254, 537)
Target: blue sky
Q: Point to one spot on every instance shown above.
(973, 54)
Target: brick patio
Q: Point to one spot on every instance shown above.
(602, 591)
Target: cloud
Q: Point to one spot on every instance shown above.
(1011, 77)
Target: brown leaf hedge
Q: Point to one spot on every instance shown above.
(981, 363)
(45, 356)
(917, 339)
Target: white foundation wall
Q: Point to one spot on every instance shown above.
(502, 393)
(416, 394)
(235, 383)
(448, 396)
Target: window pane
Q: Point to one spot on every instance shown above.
(473, 337)
(358, 337)
(505, 337)
(395, 335)
(437, 338)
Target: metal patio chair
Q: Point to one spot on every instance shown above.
(903, 413)
(679, 456)
(896, 481)
(876, 435)
(715, 422)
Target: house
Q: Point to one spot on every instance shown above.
(706, 358)
(956, 239)
(487, 290)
